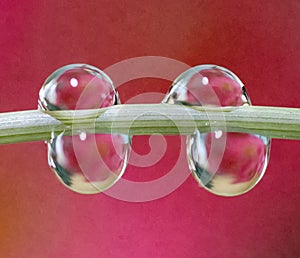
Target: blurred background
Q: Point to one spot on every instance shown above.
(259, 41)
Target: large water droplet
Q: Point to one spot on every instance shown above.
(224, 163)
(85, 163)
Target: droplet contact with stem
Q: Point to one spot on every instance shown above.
(84, 162)
(224, 163)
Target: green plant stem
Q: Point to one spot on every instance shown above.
(147, 119)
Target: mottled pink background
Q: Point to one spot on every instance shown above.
(258, 40)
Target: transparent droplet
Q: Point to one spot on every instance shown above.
(84, 162)
(224, 163)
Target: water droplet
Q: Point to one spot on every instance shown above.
(226, 164)
(85, 163)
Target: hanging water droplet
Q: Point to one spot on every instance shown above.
(226, 164)
(85, 163)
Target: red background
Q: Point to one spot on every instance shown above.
(258, 40)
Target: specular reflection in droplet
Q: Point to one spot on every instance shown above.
(85, 163)
(236, 162)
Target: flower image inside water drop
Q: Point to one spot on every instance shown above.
(224, 163)
(84, 162)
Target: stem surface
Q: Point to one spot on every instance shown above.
(147, 119)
